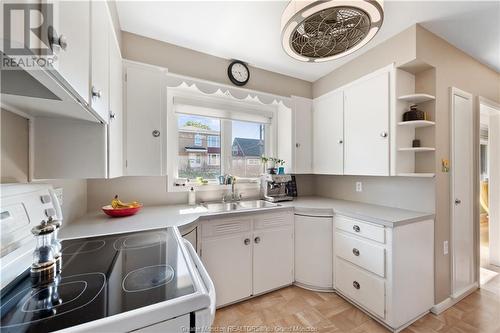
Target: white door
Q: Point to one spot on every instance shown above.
(366, 127)
(228, 261)
(462, 157)
(328, 134)
(144, 97)
(272, 259)
(72, 32)
(100, 27)
(116, 123)
(494, 184)
(314, 251)
(302, 127)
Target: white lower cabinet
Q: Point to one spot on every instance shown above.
(388, 272)
(314, 252)
(248, 255)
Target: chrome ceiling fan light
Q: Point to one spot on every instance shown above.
(317, 31)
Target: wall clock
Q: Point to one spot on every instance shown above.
(238, 73)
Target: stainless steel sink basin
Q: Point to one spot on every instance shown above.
(254, 204)
(239, 205)
(220, 206)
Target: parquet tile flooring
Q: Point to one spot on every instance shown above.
(294, 309)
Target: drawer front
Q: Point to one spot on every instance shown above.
(227, 226)
(366, 255)
(360, 228)
(273, 220)
(362, 287)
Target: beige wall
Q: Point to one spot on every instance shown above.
(399, 49)
(400, 192)
(14, 150)
(454, 68)
(184, 61)
(15, 166)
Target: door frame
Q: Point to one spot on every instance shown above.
(494, 105)
(457, 92)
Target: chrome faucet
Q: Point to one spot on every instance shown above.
(234, 196)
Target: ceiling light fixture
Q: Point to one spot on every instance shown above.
(317, 31)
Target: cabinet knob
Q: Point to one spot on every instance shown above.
(355, 251)
(156, 133)
(458, 201)
(246, 241)
(383, 134)
(340, 141)
(257, 240)
(54, 39)
(297, 145)
(112, 115)
(356, 284)
(96, 93)
(356, 228)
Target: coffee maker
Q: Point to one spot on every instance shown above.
(273, 188)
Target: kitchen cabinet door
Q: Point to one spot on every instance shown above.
(228, 261)
(272, 259)
(328, 134)
(366, 126)
(144, 132)
(100, 26)
(72, 44)
(302, 127)
(116, 123)
(314, 251)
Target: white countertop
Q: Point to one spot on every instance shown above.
(152, 217)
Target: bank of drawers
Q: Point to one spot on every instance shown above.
(360, 263)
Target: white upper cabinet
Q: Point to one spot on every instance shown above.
(100, 27)
(116, 123)
(366, 126)
(71, 43)
(145, 91)
(328, 134)
(302, 131)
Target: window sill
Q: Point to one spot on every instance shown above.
(215, 187)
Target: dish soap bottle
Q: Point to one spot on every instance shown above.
(191, 197)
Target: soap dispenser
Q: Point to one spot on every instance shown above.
(192, 197)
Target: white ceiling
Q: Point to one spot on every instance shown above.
(250, 30)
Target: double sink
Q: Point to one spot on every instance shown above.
(214, 207)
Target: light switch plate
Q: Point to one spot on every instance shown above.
(359, 187)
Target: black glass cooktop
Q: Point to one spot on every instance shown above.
(101, 277)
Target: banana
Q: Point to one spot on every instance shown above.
(117, 203)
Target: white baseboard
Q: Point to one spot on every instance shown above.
(450, 301)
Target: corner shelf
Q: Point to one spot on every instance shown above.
(417, 175)
(417, 149)
(417, 98)
(417, 123)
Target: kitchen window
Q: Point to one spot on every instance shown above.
(214, 142)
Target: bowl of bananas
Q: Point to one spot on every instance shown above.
(119, 208)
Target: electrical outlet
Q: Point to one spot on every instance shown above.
(59, 194)
(359, 187)
(445, 247)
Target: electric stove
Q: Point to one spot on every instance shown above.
(110, 282)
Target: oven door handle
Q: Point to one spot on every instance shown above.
(204, 276)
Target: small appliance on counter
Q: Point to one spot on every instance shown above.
(275, 188)
(151, 280)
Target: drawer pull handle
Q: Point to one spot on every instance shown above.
(356, 228)
(246, 241)
(355, 252)
(257, 240)
(356, 285)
